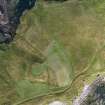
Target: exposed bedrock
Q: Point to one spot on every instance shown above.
(10, 13)
(93, 94)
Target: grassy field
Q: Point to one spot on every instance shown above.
(57, 44)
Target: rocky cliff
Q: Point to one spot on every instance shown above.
(10, 13)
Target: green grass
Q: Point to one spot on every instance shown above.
(77, 28)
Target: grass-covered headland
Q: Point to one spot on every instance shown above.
(58, 47)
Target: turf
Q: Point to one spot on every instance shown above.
(55, 44)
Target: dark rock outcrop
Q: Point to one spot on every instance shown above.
(10, 13)
(94, 94)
